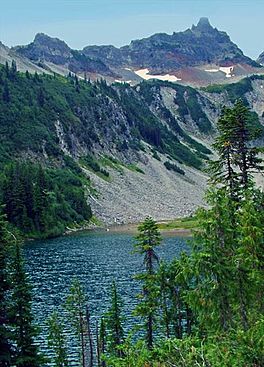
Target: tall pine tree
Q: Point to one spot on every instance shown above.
(146, 241)
(26, 353)
(5, 286)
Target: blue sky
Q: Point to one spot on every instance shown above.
(84, 22)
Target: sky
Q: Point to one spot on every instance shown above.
(88, 22)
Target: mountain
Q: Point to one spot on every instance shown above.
(117, 146)
(260, 59)
(23, 63)
(55, 55)
(163, 53)
(199, 56)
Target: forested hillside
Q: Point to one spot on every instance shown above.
(66, 126)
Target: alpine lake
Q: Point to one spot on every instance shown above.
(96, 259)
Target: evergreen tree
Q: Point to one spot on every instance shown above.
(101, 342)
(176, 315)
(224, 257)
(13, 70)
(89, 337)
(56, 340)
(6, 93)
(40, 200)
(26, 354)
(211, 263)
(76, 309)
(41, 97)
(5, 286)
(238, 158)
(7, 69)
(162, 280)
(114, 323)
(147, 239)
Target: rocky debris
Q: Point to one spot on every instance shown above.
(23, 64)
(256, 97)
(131, 196)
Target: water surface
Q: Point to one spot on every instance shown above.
(96, 259)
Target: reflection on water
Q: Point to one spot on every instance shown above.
(96, 259)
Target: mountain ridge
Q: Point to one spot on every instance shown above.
(200, 55)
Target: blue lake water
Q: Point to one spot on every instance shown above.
(96, 259)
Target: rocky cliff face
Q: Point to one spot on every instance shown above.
(45, 51)
(163, 53)
(199, 56)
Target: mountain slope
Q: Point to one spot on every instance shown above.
(126, 148)
(23, 63)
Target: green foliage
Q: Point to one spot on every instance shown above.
(155, 155)
(171, 166)
(75, 306)
(101, 342)
(147, 126)
(234, 90)
(147, 239)
(17, 332)
(237, 157)
(23, 331)
(5, 287)
(189, 106)
(114, 326)
(210, 302)
(40, 202)
(188, 223)
(56, 340)
(135, 168)
(93, 164)
(196, 112)
(236, 349)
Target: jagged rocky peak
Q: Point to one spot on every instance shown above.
(45, 47)
(44, 39)
(52, 45)
(203, 25)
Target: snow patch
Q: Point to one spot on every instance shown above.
(122, 81)
(225, 69)
(144, 73)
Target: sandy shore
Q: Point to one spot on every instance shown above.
(129, 229)
(132, 229)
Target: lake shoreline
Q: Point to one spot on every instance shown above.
(129, 228)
